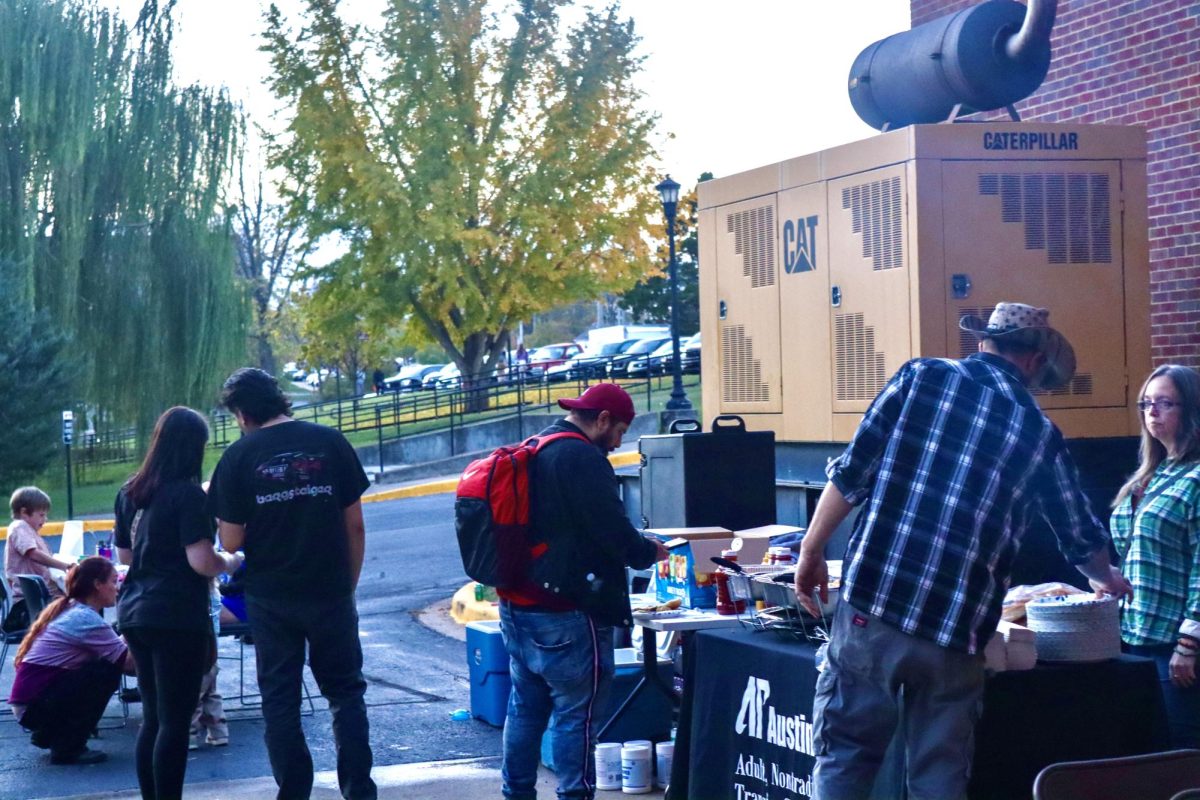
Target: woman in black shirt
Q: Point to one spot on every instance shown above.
(164, 532)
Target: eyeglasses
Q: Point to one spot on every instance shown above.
(1160, 406)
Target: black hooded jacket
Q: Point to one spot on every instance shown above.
(577, 511)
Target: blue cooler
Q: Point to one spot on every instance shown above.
(488, 662)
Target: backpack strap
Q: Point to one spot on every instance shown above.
(538, 442)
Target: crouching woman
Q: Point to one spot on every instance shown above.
(69, 665)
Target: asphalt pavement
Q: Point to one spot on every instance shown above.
(417, 675)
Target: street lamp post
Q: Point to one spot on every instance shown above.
(668, 190)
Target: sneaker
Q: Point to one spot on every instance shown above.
(216, 741)
(84, 756)
(194, 741)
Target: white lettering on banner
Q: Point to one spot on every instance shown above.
(745, 794)
(750, 768)
(291, 494)
(750, 715)
(793, 731)
(790, 781)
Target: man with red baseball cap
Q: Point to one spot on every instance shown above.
(560, 643)
(606, 409)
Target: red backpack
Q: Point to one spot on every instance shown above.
(491, 514)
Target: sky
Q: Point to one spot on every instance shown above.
(737, 83)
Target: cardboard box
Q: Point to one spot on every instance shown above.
(687, 573)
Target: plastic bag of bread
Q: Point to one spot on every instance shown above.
(1018, 596)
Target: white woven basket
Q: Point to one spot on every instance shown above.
(1076, 627)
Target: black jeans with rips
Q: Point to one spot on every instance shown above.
(66, 713)
(281, 628)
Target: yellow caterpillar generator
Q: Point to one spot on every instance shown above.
(821, 275)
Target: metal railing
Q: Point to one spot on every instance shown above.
(391, 415)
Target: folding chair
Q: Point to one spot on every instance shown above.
(1154, 776)
(36, 593)
(252, 701)
(7, 638)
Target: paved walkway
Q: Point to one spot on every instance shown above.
(473, 779)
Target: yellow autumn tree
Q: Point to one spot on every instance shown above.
(480, 163)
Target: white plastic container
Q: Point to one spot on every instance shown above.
(608, 765)
(664, 755)
(636, 769)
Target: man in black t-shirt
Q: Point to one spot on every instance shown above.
(287, 493)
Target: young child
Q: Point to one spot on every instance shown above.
(210, 711)
(26, 552)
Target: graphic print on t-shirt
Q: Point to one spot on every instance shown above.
(299, 470)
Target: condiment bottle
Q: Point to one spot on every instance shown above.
(781, 556)
(725, 603)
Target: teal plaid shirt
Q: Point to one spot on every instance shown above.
(1159, 555)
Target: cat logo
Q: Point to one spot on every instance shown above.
(800, 245)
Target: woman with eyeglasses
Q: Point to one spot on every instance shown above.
(1156, 530)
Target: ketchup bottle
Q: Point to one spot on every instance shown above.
(725, 604)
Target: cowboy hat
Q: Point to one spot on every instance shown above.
(1018, 322)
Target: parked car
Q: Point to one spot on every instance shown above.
(551, 355)
(293, 372)
(618, 366)
(589, 363)
(314, 379)
(410, 378)
(649, 363)
(448, 377)
(660, 359)
(689, 357)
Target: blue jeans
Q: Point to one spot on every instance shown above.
(560, 662)
(330, 627)
(1183, 705)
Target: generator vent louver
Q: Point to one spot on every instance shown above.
(754, 240)
(1066, 214)
(741, 381)
(1079, 385)
(860, 367)
(876, 212)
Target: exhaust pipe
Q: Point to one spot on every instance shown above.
(981, 58)
(1035, 30)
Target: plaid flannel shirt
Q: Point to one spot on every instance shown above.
(1159, 546)
(955, 462)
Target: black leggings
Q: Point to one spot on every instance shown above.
(65, 714)
(170, 666)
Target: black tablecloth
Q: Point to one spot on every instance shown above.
(746, 719)
(1067, 712)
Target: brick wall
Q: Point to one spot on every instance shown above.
(1136, 62)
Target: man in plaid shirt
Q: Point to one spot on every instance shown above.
(954, 462)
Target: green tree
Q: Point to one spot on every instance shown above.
(335, 333)
(33, 370)
(478, 170)
(112, 221)
(650, 300)
(267, 244)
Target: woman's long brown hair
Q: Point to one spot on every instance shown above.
(176, 452)
(81, 584)
(1187, 383)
